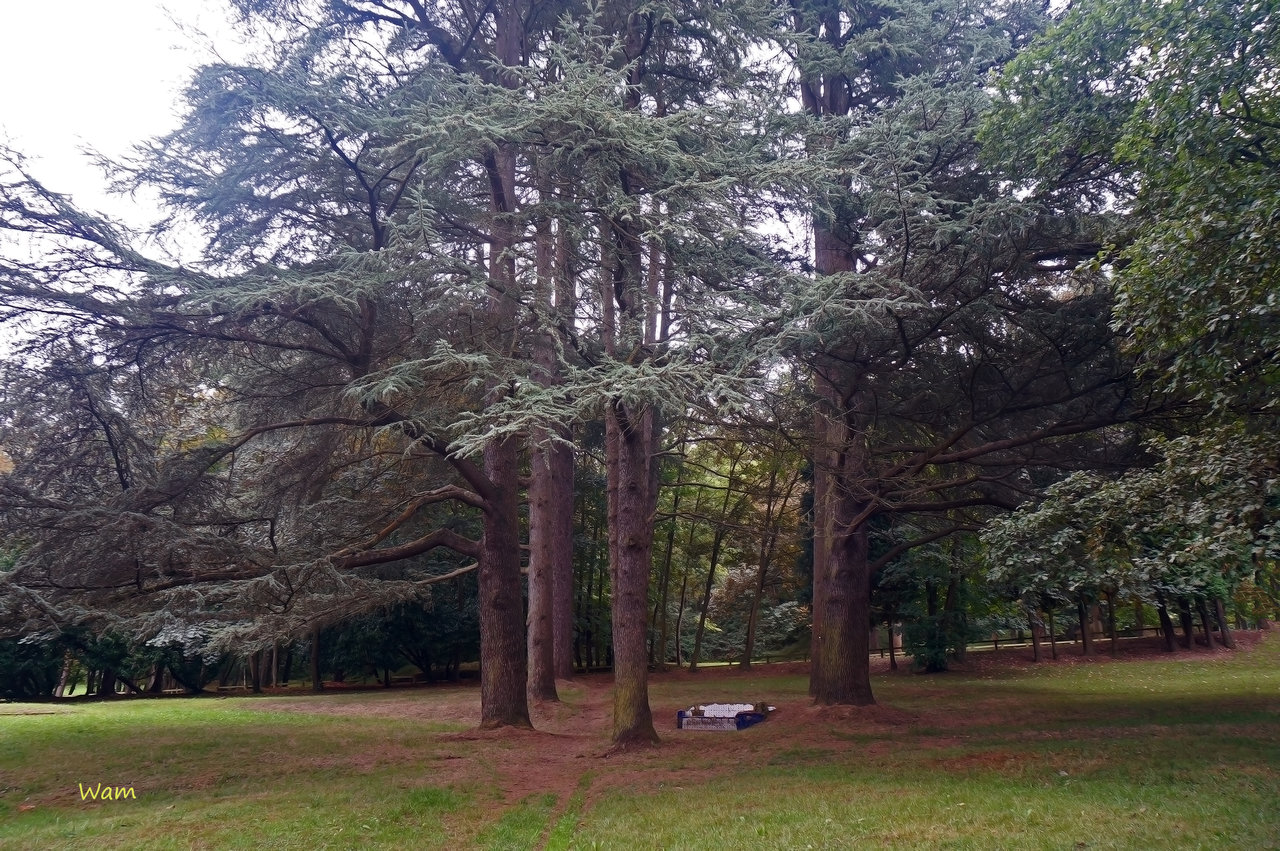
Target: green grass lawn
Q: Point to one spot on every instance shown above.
(1177, 753)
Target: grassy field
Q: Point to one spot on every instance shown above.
(1175, 753)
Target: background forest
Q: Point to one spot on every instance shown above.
(560, 335)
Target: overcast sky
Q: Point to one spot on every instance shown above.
(98, 73)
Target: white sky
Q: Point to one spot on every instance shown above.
(102, 74)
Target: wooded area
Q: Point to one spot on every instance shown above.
(562, 335)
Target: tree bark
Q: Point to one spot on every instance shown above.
(1086, 637)
(550, 488)
(716, 542)
(774, 507)
(316, 683)
(628, 444)
(1033, 618)
(1202, 609)
(546, 505)
(1053, 637)
(842, 596)
(1166, 624)
(660, 610)
(503, 662)
(1111, 623)
(1184, 618)
(1224, 629)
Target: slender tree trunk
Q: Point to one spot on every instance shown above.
(316, 683)
(1033, 617)
(255, 672)
(822, 512)
(1086, 637)
(684, 595)
(1166, 624)
(1111, 623)
(1053, 637)
(1203, 610)
(664, 584)
(64, 678)
(775, 506)
(1224, 628)
(893, 650)
(716, 542)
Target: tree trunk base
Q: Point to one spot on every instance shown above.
(633, 740)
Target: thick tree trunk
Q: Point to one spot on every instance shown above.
(546, 507)
(844, 645)
(629, 451)
(550, 486)
(107, 685)
(1184, 619)
(503, 661)
(842, 593)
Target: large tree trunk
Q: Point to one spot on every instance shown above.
(1184, 619)
(107, 685)
(629, 443)
(546, 504)
(503, 663)
(550, 483)
(842, 591)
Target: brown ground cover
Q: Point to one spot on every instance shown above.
(569, 747)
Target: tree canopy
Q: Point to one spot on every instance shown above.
(561, 294)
